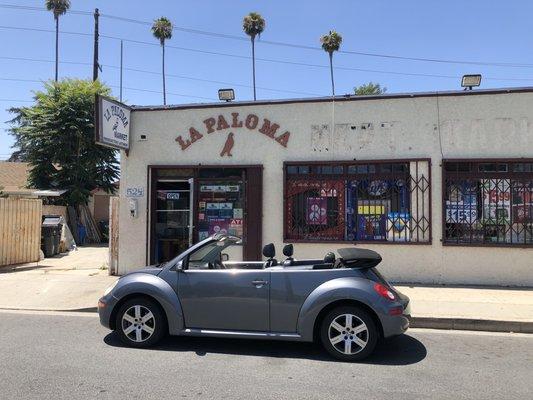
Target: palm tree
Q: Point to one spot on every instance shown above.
(58, 7)
(162, 30)
(331, 43)
(253, 25)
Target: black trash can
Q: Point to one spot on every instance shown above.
(51, 234)
(47, 241)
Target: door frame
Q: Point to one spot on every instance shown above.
(253, 195)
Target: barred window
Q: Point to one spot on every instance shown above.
(488, 202)
(358, 201)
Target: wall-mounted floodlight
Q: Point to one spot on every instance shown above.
(226, 94)
(469, 81)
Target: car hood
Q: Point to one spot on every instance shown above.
(152, 270)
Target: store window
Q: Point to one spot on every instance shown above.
(488, 202)
(358, 201)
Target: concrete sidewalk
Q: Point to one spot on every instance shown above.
(70, 282)
(75, 281)
(471, 308)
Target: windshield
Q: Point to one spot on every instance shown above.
(210, 253)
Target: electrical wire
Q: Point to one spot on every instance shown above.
(285, 44)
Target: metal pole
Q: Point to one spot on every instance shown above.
(95, 60)
(121, 59)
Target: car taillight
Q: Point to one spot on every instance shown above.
(384, 291)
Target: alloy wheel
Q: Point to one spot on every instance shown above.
(138, 323)
(348, 334)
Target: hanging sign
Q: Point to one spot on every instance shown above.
(112, 123)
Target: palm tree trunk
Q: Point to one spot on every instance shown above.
(253, 63)
(57, 46)
(164, 86)
(331, 70)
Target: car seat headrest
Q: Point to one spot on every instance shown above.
(288, 250)
(269, 251)
(329, 258)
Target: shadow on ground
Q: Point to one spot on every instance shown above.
(400, 350)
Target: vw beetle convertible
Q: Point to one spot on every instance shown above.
(341, 301)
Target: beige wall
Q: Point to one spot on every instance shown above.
(488, 125)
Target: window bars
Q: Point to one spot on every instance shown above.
(377, 201)
(488, 202)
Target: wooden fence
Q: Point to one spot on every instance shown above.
(20, 230)
(113, 234)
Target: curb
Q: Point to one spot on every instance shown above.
(468, 324)
(86, 309)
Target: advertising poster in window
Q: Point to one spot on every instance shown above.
(461, 206)
(317, 211)
(496, 201)
(398, 227)
(522, 207)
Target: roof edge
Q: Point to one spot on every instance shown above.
(343, 98)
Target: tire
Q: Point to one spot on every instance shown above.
(352, 344)
(140, 332)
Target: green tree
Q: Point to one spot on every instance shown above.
(58, 7)
(369, 88)
(331, 43)
(162, 30)
(253, 25)
(56, 137)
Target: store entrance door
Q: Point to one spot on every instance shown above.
(173, 214)
(189, 204)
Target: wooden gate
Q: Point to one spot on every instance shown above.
(20, 230)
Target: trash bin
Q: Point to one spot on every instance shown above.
(51, 234)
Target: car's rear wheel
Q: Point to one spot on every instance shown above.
(140, 322)
(349, 333)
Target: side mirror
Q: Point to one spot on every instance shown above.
(224, 257)
(179, 266)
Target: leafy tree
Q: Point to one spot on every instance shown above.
(369, 88)
(253, 25)
(56, 137)
(58, 7)
(331, 43)
(162, 30)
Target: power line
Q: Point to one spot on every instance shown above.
(285, 44)
(153, 73)
(386, 72)
(113, 86)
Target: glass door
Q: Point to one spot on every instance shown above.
(173, 218)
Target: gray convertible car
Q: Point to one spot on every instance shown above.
(341, 301)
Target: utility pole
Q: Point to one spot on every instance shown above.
(95, 60)
(121, 58)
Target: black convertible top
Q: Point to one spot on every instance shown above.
(359, 258)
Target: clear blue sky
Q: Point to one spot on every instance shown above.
(481, 30)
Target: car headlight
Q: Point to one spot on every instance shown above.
(110, 288)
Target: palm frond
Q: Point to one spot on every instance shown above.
(331, 42)
(58, 7)
(162, 29)
(253, 24)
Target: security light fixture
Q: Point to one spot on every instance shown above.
(469, 81)
(226, 94)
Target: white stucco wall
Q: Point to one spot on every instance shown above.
(471, 126)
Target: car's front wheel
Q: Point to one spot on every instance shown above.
(140, 322)
(349, 333)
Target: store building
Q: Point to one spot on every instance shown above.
(441, 184)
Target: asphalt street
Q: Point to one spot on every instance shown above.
(70, 356)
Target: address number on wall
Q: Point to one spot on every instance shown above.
(135, 192)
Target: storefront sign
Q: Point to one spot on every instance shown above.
(112, 123)
(250, 122)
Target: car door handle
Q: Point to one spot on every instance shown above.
(259, 283)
